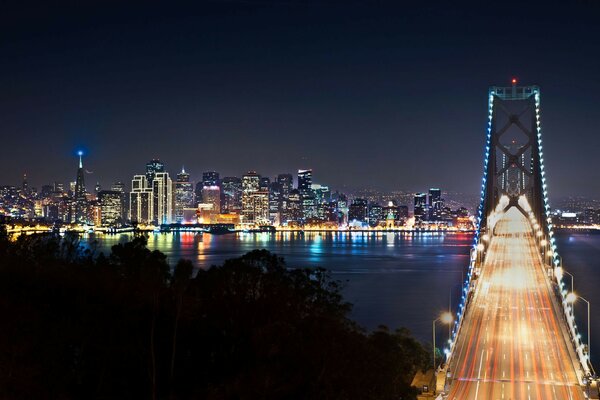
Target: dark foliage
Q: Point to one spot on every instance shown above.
(126, 325)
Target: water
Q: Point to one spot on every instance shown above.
(394, 279)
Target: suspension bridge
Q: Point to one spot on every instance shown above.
(515, 335)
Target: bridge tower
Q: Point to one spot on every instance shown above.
(513, 164)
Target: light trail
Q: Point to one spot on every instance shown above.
(511, 345)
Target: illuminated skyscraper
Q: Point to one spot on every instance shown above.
(120, 187)
(250, 185)
(152, 168)
(111, 207)
(212, 195)
(420, 207)
(184, 194)
(210, 178)
(231, 193)
(162, 190)
(79, 195)
(141, 201)
(304, 182)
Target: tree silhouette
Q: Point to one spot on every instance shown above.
(127, 325)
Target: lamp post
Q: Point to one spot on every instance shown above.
(445, 318)
(571, 297)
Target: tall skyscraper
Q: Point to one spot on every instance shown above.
(250, 185)
(120, 187)
(212, 195)
(358, 210)
(162, 190)
(111, 207)
(305, 181)
(210, 178)
(184, 194)
(420, 207)
(436, 204)
(231, 193)
(79, 194)
(141, 201)
(25, 185)
(152, 168)
(284, 186)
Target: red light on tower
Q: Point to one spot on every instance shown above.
(514, 81)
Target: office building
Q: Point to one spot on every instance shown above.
(420, 209)
(358, 210)
(162, 191)
(141, 201)
(111, 207)
(152, 168)
(184, 195)
(212, 195)
(250, 185)
(231, 195)
(304, 182)
(80, 211)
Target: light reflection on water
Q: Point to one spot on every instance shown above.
(391, 278)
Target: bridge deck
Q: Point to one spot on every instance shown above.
(511, 345)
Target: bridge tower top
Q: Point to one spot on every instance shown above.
(514, 158)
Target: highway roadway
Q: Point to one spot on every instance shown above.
(510, 345)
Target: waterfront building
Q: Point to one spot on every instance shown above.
(111, 207)
(162, 191)
(212, 195)
(231, 194)
(184, 195)
(276, 204)
(152, 168)
(120, 187)
(358, 210)
(250, 185)
(375, 214)
(294, 207)
(79, 195)
(420, 210)
(305, 182)
(141, 201)
(436, 205)
(210, 178)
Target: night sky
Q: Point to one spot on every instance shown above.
(368, 94)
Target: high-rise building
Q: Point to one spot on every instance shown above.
(287, 184)
(162, 191)
(420, 207)
(111, 207)
(250, 185)
(120, 187)
(305, 181)
(141, 201)
(184, 194)
(265, 183)
(79, 195)
(152, 168)
(231, 194)
(260, 207)
(358, 210)
(212, 195)
(25, 185)
(275, 203)
(210, 178)
(436, 204)
(294, 208)
(375, 214)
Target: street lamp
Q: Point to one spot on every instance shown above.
(445, 318)
(571, 298)
(560, 271)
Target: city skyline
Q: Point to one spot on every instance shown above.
(387, 94)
